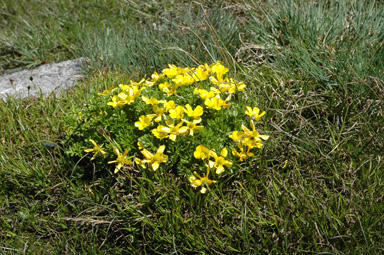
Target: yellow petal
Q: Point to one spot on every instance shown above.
(161, 149)
(219, 170)
(224, 152)
(155, 166)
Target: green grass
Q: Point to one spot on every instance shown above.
(32, 34)
(315, 68)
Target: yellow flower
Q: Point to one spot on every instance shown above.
(169, 105)
(242, 154)
(140, 163)
(236, 86)
(169, 88)
(154, 160)
(216, 103)
(96, 149)
(173, 130)
(252, 138)
(196, 113)
(201, 181)
(216, 81)
(252, 143)
(182, 79)
(193, 125)
(152, 101)
(201, 152)
(137, 84)
(172, 90)
(126, 97)
(227, 85)
(201, 73)
(254, 113)
(159, 113)
(121, 160)
(177, 113)
(164, 85)
(144, 121)
(171, 72)
(124, 87)
(107, 92)
(220, 70)
(140, 145)
(159, 133)
(237, 135)
(116, 102)
(155, 77)
(253, 133)
(220, 161)
(204, 94)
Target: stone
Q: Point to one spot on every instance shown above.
(45, 79)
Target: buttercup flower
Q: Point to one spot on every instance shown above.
(182, 79)
(152, 101)
(253, 133)
(173, 130)
(237, 135)
(192, 125)
(107, 92)
(201, 152)
(118, 101)
(172, 71)
(159, 133)
(169, 105)
(211, 85)
(194, 113)
(155, 77)
(252, 138)
(96, 149)
(177, 113)
(140, 163)
(144, 121)
(169, 88)
(124, 87)
(254, 113)
(121, 160)
(204, 94)
(216, 103)
(159, 113)
(201, 181)
(220, 70)
(154, 160)
(201, 73)
(140, 145)
(220, 161)
(242, 154)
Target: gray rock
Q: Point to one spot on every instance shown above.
(44, 79)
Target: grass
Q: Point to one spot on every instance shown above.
(317, 70)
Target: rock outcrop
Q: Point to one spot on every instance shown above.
(45, 79)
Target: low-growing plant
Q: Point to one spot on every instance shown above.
(183, 119)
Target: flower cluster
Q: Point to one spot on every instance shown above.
(248, 138)
(176, 106)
